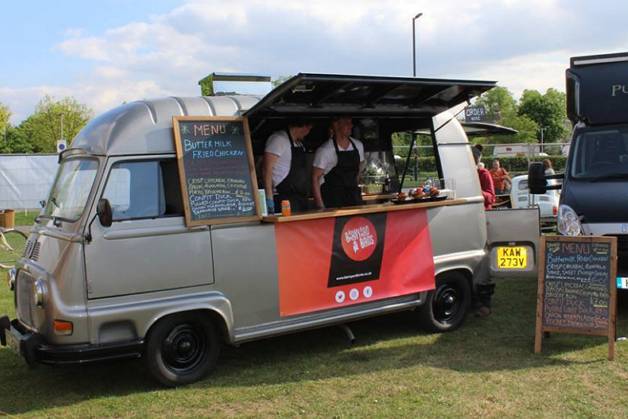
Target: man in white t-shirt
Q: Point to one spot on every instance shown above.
(336, 168)
(285, 171)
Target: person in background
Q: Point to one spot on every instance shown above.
(486, 181)
(337, 167)
(501, 178)
(549, 170)
(285, 171)
(485, 288)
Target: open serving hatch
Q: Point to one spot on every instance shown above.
(328, 94)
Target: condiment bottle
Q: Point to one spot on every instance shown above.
(285, 208)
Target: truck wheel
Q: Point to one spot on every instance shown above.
(182, 349)
(446, 306)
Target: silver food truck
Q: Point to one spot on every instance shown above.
(152, 245)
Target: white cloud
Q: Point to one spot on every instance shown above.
(525, 44)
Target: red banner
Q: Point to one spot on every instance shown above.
(336, 262)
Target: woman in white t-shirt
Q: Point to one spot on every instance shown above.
(337, 168)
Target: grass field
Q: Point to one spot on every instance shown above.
(486, 368)
(25, 218)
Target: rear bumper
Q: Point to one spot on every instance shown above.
(33, 348)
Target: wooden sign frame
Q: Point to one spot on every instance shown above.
(183, 179)
(610, 332)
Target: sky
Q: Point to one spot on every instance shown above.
(106, 52)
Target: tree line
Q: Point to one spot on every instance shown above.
(51, 121)
(536, 116)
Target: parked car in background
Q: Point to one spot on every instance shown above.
(518, 150)
(520, 198)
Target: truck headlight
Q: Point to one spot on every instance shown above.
(568, 221)
(39, 293)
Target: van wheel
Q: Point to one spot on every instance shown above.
(446, 306)
(182, 349)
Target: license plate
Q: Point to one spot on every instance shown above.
(512, 257)
(622, 282)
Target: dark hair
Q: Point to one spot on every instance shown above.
(477, 153)
(299, 122)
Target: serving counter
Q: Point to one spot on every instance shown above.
(361, 209)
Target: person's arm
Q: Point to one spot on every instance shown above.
(360, 147)
(488, 190)
(270, 160)
(317, 173)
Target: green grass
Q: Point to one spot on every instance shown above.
(25, 218)
(486, 368)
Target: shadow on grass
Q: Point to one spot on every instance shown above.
(502, 342)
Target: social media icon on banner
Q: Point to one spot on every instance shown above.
(354, 294)
(340, 297)
(367, 292)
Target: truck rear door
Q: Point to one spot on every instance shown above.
(512, 240)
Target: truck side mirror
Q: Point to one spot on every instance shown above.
(103, 210)
(537, 183)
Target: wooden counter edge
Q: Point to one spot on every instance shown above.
(364, 209)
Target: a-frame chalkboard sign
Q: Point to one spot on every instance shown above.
(216, 169)
(576, 290)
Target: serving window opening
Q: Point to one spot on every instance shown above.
(387, 144)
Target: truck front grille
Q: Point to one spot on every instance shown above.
(28, 248)
(31, 249)
(23, 290)
(35, 252)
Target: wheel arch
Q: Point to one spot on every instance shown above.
(215, 316)
(464, 270)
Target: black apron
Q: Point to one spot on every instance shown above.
(294, 187)
(341, 183)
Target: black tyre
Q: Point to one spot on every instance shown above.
(446, 306)
(182, 349)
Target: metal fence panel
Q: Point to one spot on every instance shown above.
(26, 179)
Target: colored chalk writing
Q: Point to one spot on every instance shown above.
(215, 167)
(576, 290)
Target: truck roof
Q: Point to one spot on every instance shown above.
(145, 126)
(597, 89)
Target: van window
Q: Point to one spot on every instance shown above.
(144, 189)
(423, 164)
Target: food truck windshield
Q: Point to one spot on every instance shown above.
(71, 189)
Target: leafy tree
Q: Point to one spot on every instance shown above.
(280, 80)
(502, 108)
(44, 127)
(548, 111)
(499, 103)
(16, 142)
(5, 114)
(525, 126)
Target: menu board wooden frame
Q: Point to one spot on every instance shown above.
(183, 178)
(610, 332)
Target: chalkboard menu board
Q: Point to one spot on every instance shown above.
(577, 287)
(216, 169)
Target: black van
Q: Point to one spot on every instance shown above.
(595, 183)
